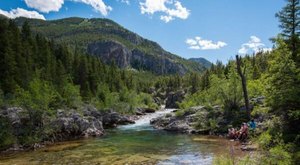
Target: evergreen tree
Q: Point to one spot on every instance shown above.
(7, 60)
(283, 89)
(26, 32)
(289, 18)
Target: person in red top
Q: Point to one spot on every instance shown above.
(244, 132)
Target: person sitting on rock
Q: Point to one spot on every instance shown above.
(239, 132)
(252, 124)
(243, 132)
(232, 133)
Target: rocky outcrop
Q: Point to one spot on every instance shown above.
(195, 120)
(110, 51)
(18, 118)
(65, 125)
(171, 123)
(173, 98)
(73, 124)
(160, 63)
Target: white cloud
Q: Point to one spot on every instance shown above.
(47, 6)
(191, 42)
(162, 6)
(98, 5)
(19, 12)
(125, 1)
(200, 44)
(254, 45)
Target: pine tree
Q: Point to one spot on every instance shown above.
(289, 18)
(17, 47)
(7, 60)
(26, 32)
(283, 89)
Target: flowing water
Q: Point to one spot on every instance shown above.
(132, 144)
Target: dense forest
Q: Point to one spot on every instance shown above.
(42, 75)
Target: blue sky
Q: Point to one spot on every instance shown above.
(213, 29)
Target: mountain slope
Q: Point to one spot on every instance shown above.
(202, 61)
(111, 42)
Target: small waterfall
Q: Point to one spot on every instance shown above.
(144, 122)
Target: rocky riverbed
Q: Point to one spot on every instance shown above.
(66, 124)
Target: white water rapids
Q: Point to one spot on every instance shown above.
(144, 122)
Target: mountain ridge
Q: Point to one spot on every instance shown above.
(98, 36)
(202, 61)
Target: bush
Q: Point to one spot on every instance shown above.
(37, 99)
(71, 96)
(126, 101)
(264, 140)
(278, 156)
(255, 88)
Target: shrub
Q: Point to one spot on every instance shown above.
(37, 99)
(278, 155)
(71, 95)
(265, 140)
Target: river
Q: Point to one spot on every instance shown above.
(138, 143)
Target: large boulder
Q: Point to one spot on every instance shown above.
(73, 124)
(173, 98)
(113, 119)
(170, 122)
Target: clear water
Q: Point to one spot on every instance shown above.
(132, 144)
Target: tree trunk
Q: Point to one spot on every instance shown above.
(244, 84)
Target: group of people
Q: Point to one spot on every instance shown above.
(243, 132)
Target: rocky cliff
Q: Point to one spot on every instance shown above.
(110, 51)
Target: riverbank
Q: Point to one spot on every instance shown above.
(137, 143)
(65, 125)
